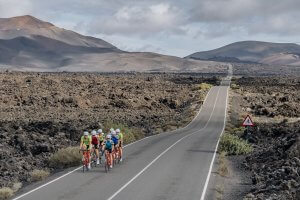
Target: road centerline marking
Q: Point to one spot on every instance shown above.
(165, 151)
(68, 173)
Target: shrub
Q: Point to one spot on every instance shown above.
(67, 157)
(205, 86)
(17, 186)
(234, 86)
(6, 193)
(234, 145)
(38, 175)
(238, 131)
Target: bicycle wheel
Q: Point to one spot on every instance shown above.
(83, 163)
(93, 163)
(105, 167)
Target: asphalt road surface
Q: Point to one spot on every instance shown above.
(175, 165)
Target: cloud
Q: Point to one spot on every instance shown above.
(168, 22)
(141, 20)
(15, 8)
(252, 16)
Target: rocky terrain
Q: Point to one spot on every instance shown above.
(275, 161)
(42, 112)
(262, 70)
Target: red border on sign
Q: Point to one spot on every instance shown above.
(250, 120)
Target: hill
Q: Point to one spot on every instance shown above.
(30, 44)
(253, 52)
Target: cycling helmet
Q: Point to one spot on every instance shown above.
(108, 137)
(113, 133)
(94, 132)
(100, 131)
(85, 133)
(118, 131)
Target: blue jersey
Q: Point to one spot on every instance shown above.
(115, 140)
(108, 144)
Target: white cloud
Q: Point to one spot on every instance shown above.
(176, 26)
(11, 8)
(141, 20)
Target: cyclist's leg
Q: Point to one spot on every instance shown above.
(97, 154)
(89, 156)
(121, 150)
(111, 158)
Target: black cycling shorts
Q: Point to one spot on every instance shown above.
(96, 146)
(109, 150)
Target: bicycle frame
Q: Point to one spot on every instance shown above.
(108, 161)
(85, 159)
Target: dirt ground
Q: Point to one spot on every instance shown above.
(42, 112)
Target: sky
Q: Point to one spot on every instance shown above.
(172, 27)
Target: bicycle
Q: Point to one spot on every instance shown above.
(101, 153)
(93, 158)
(108, 161)
(85, 160)
(116, 156)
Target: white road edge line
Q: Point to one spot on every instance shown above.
(165, 151)
(33, 190)
(56, 179)
(216, 149)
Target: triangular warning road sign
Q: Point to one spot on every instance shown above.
(248, 121)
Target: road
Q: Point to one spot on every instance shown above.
(174, 165)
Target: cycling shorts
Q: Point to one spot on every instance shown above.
(87, 147)
(109, 150)
(96, 146)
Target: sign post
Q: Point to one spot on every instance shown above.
(248, 122)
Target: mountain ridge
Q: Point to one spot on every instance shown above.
(30, 44)
(253, 51)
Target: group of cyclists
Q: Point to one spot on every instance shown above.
(98, 142)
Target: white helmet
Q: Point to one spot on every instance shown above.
(85, 133)
(108, 137)
(118, 131)
(113, 133)
(94, 132)
(100, 131)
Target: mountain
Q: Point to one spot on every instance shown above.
(254, 52)
(30, 44)
(27, 26)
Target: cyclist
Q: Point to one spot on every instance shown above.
(120, 135)
(111, 130)
(86, 144)
(108, 147)
(95, 143)
(101, 137)
(115, 140)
